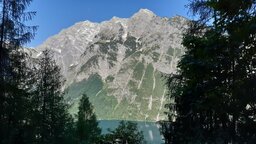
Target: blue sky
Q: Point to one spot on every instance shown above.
(55, 15)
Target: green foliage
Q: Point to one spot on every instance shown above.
(87, 130)
(138, 71)
(131, 44)
(49, 118)
(14, 70)
(146, 85)
(109, 47)
(107, 106)
(110, 79)
(97, 93)
(150, 129)
(140, 108)
(170, 51)
(126, 132)
(214, 88)
(90, 86)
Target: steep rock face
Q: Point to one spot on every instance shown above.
(119, 63)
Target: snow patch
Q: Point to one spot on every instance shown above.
(161, 105)
(150, 102)
(38, 54)
(58, 50)
(141, 79)
(154, 80)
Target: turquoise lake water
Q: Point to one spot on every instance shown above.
(150, 130)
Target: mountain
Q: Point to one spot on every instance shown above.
(119, 63)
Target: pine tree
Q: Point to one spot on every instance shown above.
(87, 129)
(50, 117)
(13, 91)
(214, 88)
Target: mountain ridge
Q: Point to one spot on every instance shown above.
(119, 63)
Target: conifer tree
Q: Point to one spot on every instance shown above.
(14, 97)
(50, 117)
(214, 88)
(87, 129)
(125, 133)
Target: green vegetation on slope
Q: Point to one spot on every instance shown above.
(137, 105)
(94, 88)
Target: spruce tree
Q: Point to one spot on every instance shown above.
(87, 129)
(50, 118)
(14, 97)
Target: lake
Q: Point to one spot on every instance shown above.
(150, 130)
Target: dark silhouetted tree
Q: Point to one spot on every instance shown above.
(125, 133)
(50, 118)
(14, 97)
(214, 88)
(87, 129)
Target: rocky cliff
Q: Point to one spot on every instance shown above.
(119, 63)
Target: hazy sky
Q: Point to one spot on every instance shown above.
(55, 15)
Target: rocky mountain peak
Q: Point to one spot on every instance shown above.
(145, 12)
(119, 63)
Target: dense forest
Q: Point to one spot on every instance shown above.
(213, 91)
(32, 107)
(212, 95)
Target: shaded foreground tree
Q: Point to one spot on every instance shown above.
(50, 118)
(14, 96)
(87, 129)
(214, 90)
(125, 133)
